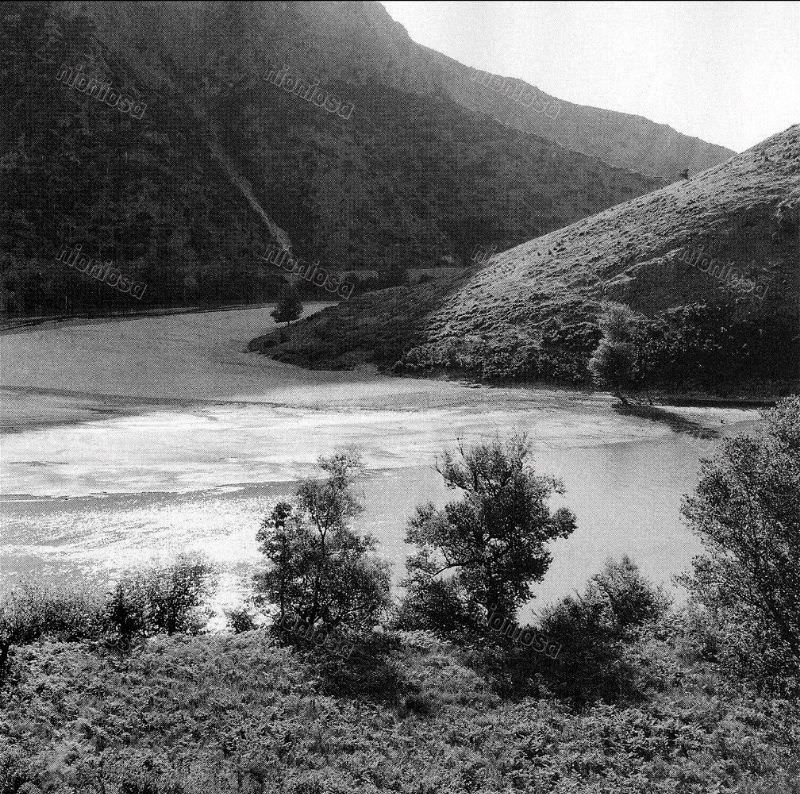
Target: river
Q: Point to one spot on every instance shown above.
(132, 440)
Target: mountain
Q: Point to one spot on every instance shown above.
(392, 174)
(711, 262)
(622, 139)
(379, 50)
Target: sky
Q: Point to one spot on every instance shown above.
(728, 73)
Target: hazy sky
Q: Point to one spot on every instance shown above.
(726, 72)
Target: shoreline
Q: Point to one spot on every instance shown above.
(13, 325)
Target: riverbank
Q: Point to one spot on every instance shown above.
(10, 324)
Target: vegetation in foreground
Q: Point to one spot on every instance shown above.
(125, 696)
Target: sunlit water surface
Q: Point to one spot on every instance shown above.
(84, 501)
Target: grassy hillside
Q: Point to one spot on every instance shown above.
(622, 139)
(241, 714)
(531, 312)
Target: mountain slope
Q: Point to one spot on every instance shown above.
(531, 312)
(223, 162)
(373, 48)
(622, 139)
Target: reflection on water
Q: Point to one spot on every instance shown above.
(672, 419)
(85, 501)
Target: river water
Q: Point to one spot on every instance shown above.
(104, 479)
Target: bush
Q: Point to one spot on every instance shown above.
(596, 630)
(240, 620)
(434, 606)
(746, 509)
(33, 611)
(163, 600)
(629, 600)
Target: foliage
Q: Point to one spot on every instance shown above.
(76, 171)
(321, 572)
(144, 603)
(720, 347)
(32, 611)
(240, 620)
(718, 344)
(615, 363)
(628, 599)
(162, 600)
(746, 510)
(491, 543)
(240, 715)
(595, 631)
(289, 307)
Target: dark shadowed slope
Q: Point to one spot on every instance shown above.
(381, 50)
(223, 162)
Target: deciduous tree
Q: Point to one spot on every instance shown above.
(483, 552)
(289, 307)
(321, 572)
(746, 510)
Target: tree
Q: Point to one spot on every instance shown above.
(321, 572)
(616, 363)
(746, 510)
(490, 545)
(289, 307)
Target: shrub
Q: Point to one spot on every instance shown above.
(746, 510)
(596, 629)
(164, 600)
(240, 620)
(630, 601)
(33, 611)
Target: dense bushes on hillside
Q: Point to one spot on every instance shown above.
(239, 714)
(703, 346)
(707, 347)
(143, 194)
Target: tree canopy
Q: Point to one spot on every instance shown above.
(289, 307)
(746, 510)
(483, 552)
(321, 571)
